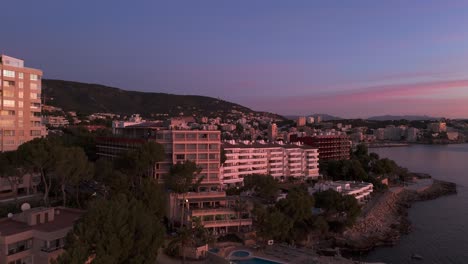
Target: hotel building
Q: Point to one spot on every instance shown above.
(208, 203)
(20, 103)
(277, 160)
(35, 236)
(360, 190)
(331, 147)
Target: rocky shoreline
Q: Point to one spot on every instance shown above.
(384, 223)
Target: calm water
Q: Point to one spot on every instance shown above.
(440, 227)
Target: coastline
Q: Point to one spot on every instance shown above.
(386, 218)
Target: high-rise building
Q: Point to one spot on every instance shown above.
(310, 120)
(331, 147)
(301, 121)
(272, 132)
(20, 103)
(318, 119)
(277, 160)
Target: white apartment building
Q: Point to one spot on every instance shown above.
(360, 190)
(275, 159)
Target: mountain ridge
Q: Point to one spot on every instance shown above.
(88, 98)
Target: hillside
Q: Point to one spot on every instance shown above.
(91, 98)
(405, 117)
(325, 117)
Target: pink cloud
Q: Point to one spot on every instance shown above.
(389, 99)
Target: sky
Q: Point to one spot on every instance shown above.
(346, 58)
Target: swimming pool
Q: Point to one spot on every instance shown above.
(214, 250)
(255, 261)
(240, 254)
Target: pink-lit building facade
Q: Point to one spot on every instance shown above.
(35, 236)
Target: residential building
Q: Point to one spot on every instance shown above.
(412, 134)
(25, 185)
(301, 121)
(20, 103)
(275, 159)
(392, 133)
(310, 120)
(360, 190)
(379, 133)
(330, 147)
(318, 119)
(35, 236)
(437, 127)
(272, 132)
(55, 121)
(208, 202)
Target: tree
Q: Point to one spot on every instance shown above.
(265, 186)
(297, 205)
(272, 223)
(182, 178)
(115, 231)
(72, 169)
(10, 169)
(39, 156)
(139, 162)
(240, 207)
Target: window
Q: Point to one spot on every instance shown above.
(35, 132)
(202, 156)
(8, 93)
(203, 136)
(191, 157)
(34, 77)
(203, 146)
(20, 75)
(35, 123)
(36, 114)
(20, 94)
(213, 156)
(214, 146)
(213, 165)
(20, 103)
(180, 136)
(214, 136)
(33, 85)
(20, 246)
(191, 146)
(9, 103)
(20, 113)
(8, 84)
(179, 146)
(33, 95)
(9, 142)
(20, 85)
(7, 112)
(8, 132)
(191, 136)
(8, 73)
(7, 123)
(213, 176)
(180, 156)
(35, 105)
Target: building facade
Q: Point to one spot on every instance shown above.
(330, 147)
(20, 103)
(35, 236)
(277, 160)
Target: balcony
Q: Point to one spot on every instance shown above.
(51, 249)
(224, 223)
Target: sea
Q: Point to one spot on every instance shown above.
(439, 227)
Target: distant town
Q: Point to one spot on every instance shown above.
(209, 188)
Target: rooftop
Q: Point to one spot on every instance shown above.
(63, 218)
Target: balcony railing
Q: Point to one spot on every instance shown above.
(51, 249)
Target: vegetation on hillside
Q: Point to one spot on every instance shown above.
(92, 98)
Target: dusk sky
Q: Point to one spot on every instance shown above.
(346, 58)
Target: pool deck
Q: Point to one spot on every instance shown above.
(284, 254)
